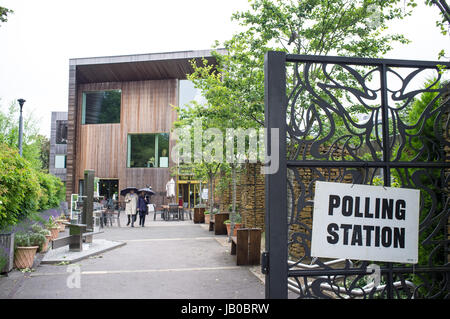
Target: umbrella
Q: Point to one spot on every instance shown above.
(148, 190)
(124, 191)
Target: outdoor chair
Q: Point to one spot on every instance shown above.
(158, 211)
(111, 215)
(187, 210)
(173, 211)
(114, 214)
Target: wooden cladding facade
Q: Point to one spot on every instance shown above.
(146, 107)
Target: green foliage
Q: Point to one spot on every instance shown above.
(28, 239)
(51, 223)
(19, 187)
(4, 15)
(36, 228)
(24, 190)
(52, 193)
(33, 143)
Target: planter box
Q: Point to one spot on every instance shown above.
(199, 216)
(236, 227)
(7, 249)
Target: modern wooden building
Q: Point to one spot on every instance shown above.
(58, 145)
(120, 117)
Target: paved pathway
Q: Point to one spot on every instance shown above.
(162, 260)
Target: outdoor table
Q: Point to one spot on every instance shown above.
(166, 212)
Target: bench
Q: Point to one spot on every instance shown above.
(216, 223)
(75, 239)
(247, 246)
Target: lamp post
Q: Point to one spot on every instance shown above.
(21, 102)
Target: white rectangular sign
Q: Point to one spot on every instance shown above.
(365, 222)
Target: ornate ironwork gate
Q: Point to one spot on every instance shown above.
(360, 121)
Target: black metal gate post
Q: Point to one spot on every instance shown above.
(276, 189)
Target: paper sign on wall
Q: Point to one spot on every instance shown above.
(365, 222)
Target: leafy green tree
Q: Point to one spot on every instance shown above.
(234, 89)
(19, 187)
(4, 14)
(32, 140)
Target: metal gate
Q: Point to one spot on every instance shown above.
(354, 120)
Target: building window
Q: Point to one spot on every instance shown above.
(148, 150)
(188, 93)
(60, 161)
(61, 132)
(101, 107)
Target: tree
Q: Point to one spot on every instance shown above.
(234, 89)
(4, 14)
(445, 18)
(44, 151)
(32, 141)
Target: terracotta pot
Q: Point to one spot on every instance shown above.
(207, 218)
(24, 257)
(55, 232)
(45, 245)
(236, 227)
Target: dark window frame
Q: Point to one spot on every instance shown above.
(83, 106)
(157, 150)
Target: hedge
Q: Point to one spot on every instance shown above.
(24, 190)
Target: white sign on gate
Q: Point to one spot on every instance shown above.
(365, 222)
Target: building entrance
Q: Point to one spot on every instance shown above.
(108, 187)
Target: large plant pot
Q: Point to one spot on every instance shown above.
(207, 218)
(55, 232)
(24, 257)
(236, 227)
(45, 245)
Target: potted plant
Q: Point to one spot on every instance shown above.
(237, 224)
(207, 217)
(26, 245)
(36, 228)
(60, 221)
(52, 225)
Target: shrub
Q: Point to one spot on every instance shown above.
(38, 229)
(52, 192)
(28, 239)
(19, 187)
(24, 190)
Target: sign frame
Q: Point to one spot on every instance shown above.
(365, 222)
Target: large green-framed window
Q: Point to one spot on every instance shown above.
(101, 107)
(148, 150)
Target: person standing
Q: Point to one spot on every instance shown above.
(142, 208)
(130, 207)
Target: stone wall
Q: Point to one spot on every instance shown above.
(252, 196)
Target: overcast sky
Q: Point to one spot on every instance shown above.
(41, 36)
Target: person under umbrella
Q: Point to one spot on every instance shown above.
(131, 200)
(142, 208)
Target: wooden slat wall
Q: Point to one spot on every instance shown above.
(146, 108)
(71, 134)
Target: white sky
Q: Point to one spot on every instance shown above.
(41, 36)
